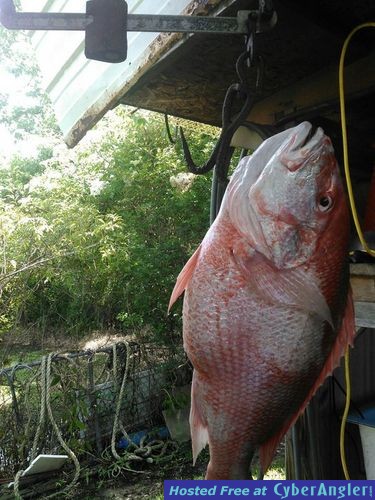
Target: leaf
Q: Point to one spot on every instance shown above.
(56, 379)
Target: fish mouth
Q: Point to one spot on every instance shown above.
(307, 137)
(304, 146)
(310, 135)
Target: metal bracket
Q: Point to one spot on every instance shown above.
(106, 23)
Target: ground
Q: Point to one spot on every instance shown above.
(151, 486)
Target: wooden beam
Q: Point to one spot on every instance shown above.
(315, 91)
(362, 279)
(364, 314)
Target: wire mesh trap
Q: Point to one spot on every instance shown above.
(79, 396)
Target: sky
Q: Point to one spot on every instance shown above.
(15, 88)
(8, 84)
(9, 146)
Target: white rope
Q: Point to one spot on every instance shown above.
(16, 485)
(143, 452)
(45, 403)
(42, 415)
(119, 401)
(64, 445)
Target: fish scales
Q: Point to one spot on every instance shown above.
(267, 308)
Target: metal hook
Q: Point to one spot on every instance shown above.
(169, 134)
(192, 167)
(221, 154)
(229, 125)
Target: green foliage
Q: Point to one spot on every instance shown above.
(92, 238)
(174, 402)
(95, 237)
(16, 175)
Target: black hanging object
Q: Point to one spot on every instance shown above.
(106, 36)
(171, 139)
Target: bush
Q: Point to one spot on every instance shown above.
(95, 237)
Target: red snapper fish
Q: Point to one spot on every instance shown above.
(267, 310)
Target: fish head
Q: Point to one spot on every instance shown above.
(285, 204)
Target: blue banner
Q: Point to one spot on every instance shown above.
(275, 490)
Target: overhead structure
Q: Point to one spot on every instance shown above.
(186, 74)
(80, 86)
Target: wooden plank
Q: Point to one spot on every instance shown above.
(362, 279)
(364, 314)
(362, 270)
(315, 90)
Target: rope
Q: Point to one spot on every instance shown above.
(16, 485)
(154, 451)
(357, 224)
(45, 403)
(116, 422)
(58, 433)
(345, 416)
(42, 413)
(120, 396)
(143, 451)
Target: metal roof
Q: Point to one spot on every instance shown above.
(82, 90)
(187, 75)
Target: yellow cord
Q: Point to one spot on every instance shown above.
(345, 415)
(370, 251)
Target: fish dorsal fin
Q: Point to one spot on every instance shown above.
(184, 277)
(343, 340)
(290, 287)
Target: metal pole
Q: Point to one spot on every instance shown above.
(60, 21)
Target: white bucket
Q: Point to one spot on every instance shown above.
(368, 446)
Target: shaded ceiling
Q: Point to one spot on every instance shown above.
(301, 55)
(191, 81)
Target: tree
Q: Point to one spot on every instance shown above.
(95, 237)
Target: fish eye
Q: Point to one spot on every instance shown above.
(325, 203)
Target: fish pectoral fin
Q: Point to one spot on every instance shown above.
(344, 338)
(290, 287)
(184, 277)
